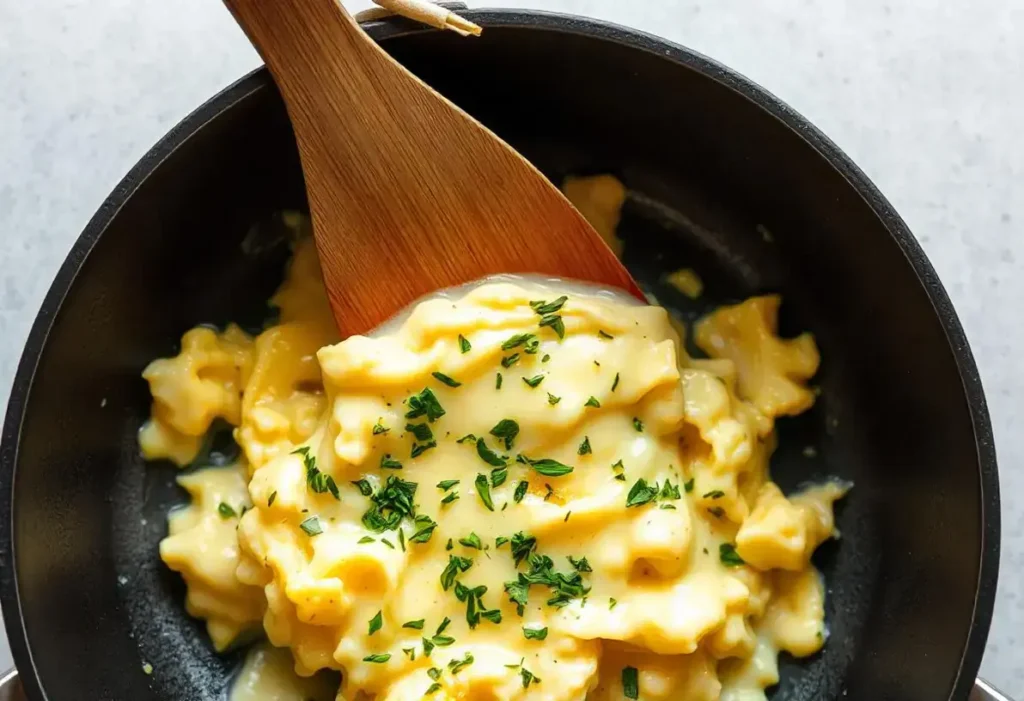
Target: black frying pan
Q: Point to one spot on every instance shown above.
(723, 178)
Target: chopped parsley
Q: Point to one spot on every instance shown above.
(728, 555)
(390, 504)
(670, 491)
(455, 566)
(444, 624)
(415, 625)
(564, 587)
(445, 379)
(424, 404)
(520, 339)
(483, 490)
(452, 496)
(552, 399)
(612, 603)
(509, 360)
(533, 381)
(630, 683)
(605, 334)
(488, 455)
(641, 493)
(506, 429)
(616, 382)
(535, 633)
(468, 438)
(410, 652)
(547, 466)
(428, 647)
(315, 479)
(688, 486)
(555, 322)
(379, 658)
(379, 429)
(584, 448)
(498, 476)
(464, 345)
(226, 511)
(546, 358)
(272, 499)
(366, 539)
(472, 541)
(522, 546)
(455, 666)
(364, 487)
(376, 623)
(638, 425)
(311, 526)
(445, 485)
(497, 382)
(520, 492)
(419, 449)
(593, 402)
(389, 463)
(714, 494)
(580, 565)
(424, 528)
(499, 541)
(422, 432)
(543, 308)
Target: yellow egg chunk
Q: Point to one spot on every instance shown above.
(203, 547)
(599, 198)
(521, 489)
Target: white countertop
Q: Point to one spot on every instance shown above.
(928, 98)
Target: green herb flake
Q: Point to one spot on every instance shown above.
(714, 494)
(424, 404)
(272, 499)
(498, 476)
(464, 345)
(488, 455)
(379, 658)
(528, 677)
(376, 623)
(499, 541)
(550, 468)
(509, 360)
(630, 683)
(455, 666)
(670, 491)
(716, 511)
(593, 402)
(521, 490)
(364, 487)
(688, 486)
(419, 449)
(424, 529)
(483, 490)
(468, 438)
(554, 321)
(543, 308)
(641, 493)
(422, 432)
(535, 633)
(455, 566)
(428, 647)
(452, 496)
(409, 652)
(546, 358)
(311, 526)
(506, 429)
(387, 543)
(615, 384)
(445, 485)
(379, 429)
(612, 603)
(533, 381)
(226, 511)
(552, 399)
(605, 335)
(401, 539)
(584, 448)
(472, 541)
(728, 555)
(445, 379)
(415, 625)
(366, 539)
(580, 565)
(498, 381)
(638, 425)
(520, 339)
(389, 463)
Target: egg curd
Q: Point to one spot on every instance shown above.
(520, 491)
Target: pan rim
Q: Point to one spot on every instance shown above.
(259, 79)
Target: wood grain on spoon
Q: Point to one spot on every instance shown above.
(407, 193)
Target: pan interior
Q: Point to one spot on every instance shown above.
(716, 184)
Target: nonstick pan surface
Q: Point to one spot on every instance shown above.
(723, 178)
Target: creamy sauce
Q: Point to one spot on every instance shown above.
(421, 546)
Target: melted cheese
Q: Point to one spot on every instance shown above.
(698, 592)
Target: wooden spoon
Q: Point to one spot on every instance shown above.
(408, 194)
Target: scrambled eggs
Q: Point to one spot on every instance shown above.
(520, 491)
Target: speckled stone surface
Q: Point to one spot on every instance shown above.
(927, 97)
